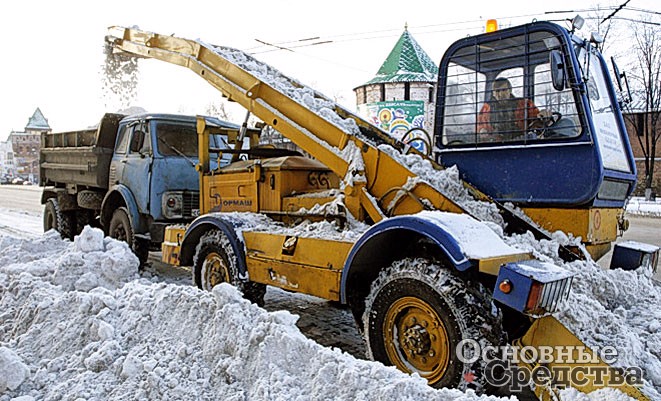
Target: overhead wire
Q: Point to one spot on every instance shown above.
(267, 47)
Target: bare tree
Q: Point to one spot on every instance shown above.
(643, 112)
(217, 110)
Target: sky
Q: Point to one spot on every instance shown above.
(53, 50)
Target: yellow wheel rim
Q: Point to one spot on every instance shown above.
(215, 270)
(416, 339)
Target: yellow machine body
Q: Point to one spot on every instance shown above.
(288, 188)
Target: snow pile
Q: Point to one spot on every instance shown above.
(607, 394)
(306, 96)
(108, 338)
(477, 240)
(640, 207)
(447, 182)
(609, 308)
(244, 221)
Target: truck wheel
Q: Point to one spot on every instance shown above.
(120, 229)
(62, 222)
(418, 312)
(215, 262)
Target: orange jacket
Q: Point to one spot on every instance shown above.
(513, 114)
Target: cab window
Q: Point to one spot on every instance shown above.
(500, 92)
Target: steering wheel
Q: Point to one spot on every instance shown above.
(541, 124)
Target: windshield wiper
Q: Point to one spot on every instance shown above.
(177, 151)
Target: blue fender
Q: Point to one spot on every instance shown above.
(202, 225)
(138, 225)
(377, 237)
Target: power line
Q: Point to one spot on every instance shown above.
(615, 12)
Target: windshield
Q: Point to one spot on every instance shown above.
(180, 139)
(500, 92)
(607, 130)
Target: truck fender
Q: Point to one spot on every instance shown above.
(118, 196)
(202, 225)
(49, 192)
(393, 239)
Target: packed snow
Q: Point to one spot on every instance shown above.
(78, 322)
(640, 207)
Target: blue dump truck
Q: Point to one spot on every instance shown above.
(130, 175)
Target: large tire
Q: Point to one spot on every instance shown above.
(62, 222)
(120, 229)
(418, 312)
(215, 262)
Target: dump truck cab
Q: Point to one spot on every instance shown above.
(152, 171)
(578, 149)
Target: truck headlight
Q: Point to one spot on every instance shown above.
(532, 287)
(172, 205)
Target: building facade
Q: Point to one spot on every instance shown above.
(7, 166)
(401, 98)
(635, 117)
(26, 146)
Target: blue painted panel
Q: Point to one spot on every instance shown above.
(521, 284)
(567, 175)
(171, 173)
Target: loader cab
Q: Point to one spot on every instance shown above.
(578, 154)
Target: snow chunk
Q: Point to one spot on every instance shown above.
(13, 372)
(89, 240)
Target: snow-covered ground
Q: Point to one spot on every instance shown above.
(77, 321)
(641, 207)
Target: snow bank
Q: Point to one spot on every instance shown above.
(113, 335)
(610, 308)
(640, 207)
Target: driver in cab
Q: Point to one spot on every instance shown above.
(506, 117)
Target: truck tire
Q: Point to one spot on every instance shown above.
(120, 229)
(418, 312)
(215, 262)
(62, 222)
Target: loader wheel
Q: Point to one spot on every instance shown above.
(121, 230)
(62, 222)
(215, 262)
(418, 312)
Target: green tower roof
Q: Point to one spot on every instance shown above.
(407, 62)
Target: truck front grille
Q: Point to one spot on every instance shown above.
(191, 204)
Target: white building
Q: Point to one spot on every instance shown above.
(7, 166)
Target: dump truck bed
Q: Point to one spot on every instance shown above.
(79, 157)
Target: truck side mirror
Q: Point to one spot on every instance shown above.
(557, 62)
